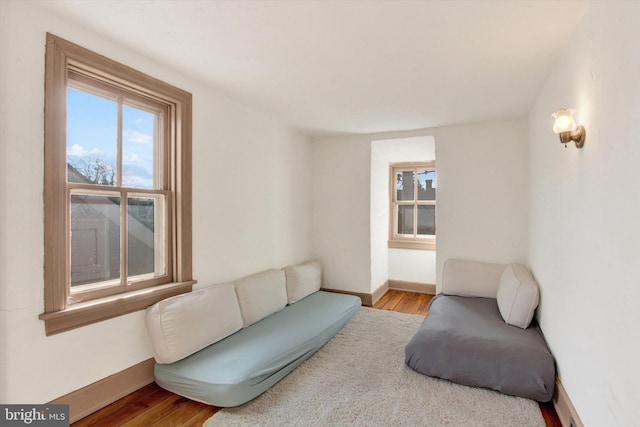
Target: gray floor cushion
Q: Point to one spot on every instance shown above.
(465, 340)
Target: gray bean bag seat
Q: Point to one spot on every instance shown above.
(465, 339)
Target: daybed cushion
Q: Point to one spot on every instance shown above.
(303, 280)
(518, 295)
(465, 340)
(181, 325)
(471, 278)
(245, 364)
(261, 294)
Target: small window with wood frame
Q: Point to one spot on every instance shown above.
(117, 190)
(412, 220)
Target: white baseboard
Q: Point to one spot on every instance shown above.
(564, 408)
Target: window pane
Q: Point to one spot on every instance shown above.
(405, 219)
(92, 126)
(427, 220)
(404, 185)
(95, 239)
(426, 185)
(146, 240)
(138, 147)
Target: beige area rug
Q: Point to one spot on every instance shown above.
(359, 379)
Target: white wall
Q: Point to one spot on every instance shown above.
(585, 210)
(342, 212)
(340, 233)
(379, 213)
(410, 265)
(388, 263)
(482, 193)
(264, 222)
(482, 198)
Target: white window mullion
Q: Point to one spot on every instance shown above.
(124, 238)
(124, 204)
(415, 203)
(160, 239)
(119, 145)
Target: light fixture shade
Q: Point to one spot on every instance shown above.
(564, 121)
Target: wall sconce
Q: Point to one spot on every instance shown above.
(566, 127)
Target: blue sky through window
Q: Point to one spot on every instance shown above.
(423, 177)
(92, 126)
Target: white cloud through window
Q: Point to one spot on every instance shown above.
(136, 136)
(78, 150)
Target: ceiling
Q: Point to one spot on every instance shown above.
(333, 67)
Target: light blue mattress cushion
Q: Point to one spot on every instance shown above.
(244, 365)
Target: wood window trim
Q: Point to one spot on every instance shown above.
(397, 242)
(62, 57)
(86, 313)
(429, 244)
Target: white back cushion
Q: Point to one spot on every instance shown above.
(518, 295)
(261, 294)
(181, 325)
(471, 278)
(303, 280)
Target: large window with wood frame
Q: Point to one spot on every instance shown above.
(412, 222)
(117, 188)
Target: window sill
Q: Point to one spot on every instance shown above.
(429, 245)
(86, 313)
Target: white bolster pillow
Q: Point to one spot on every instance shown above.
(181, 325)
(303, 280)
(518, 296)
(261, 295)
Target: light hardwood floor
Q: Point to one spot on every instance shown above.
(154, 406)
